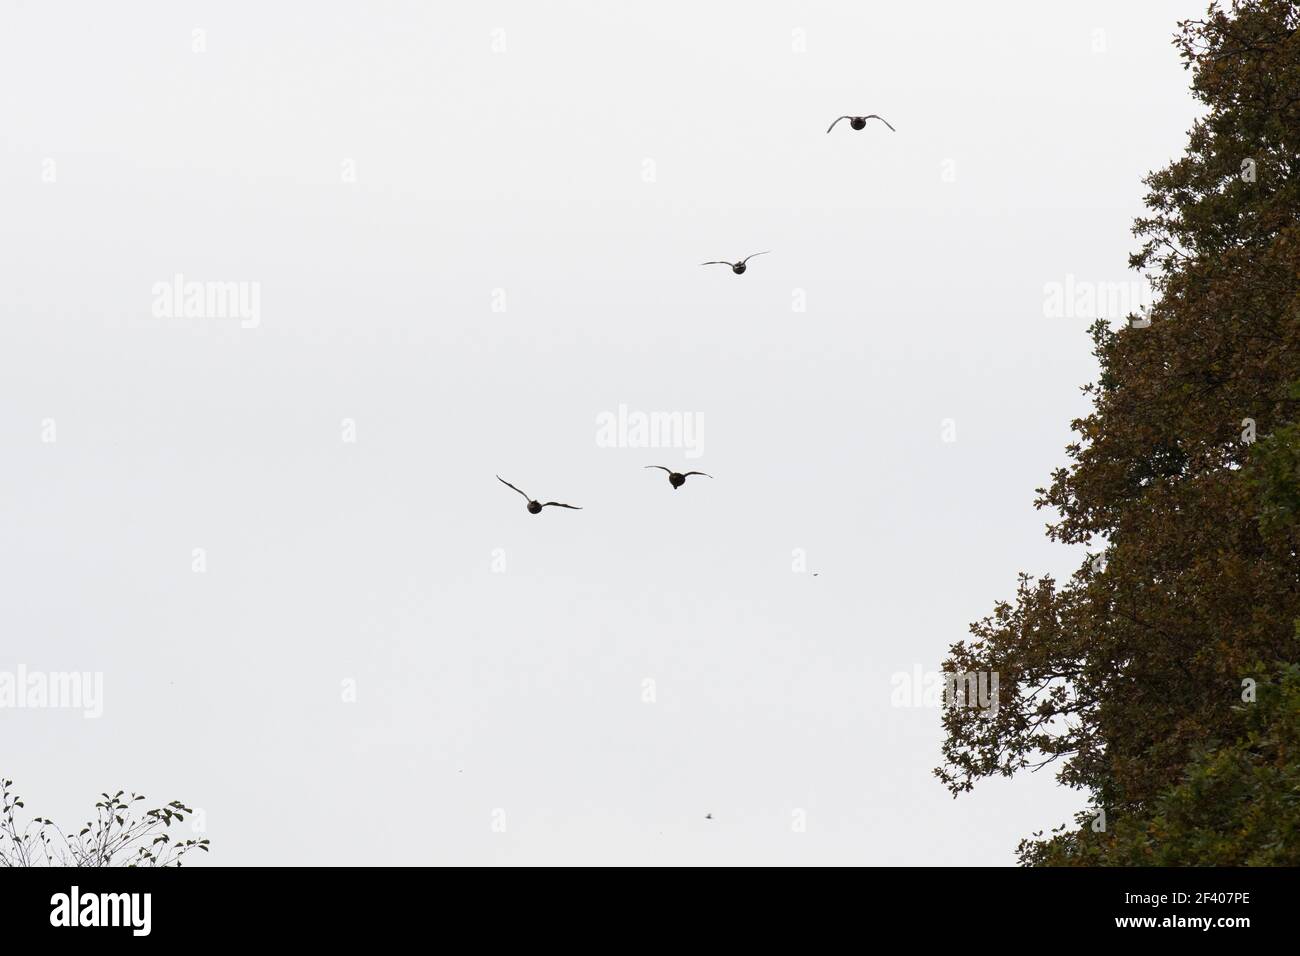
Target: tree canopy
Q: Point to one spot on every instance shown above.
(1185, 479)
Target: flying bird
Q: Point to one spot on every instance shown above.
(858, 122)
(737, 267)
(535, 506)
(677, 479)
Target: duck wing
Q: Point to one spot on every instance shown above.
(512, 487)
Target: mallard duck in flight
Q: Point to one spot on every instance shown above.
(858, 122)
(536, 506)
(677, 479)
(737, 267)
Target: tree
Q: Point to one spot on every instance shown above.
(1183, 475)
(118, 836)
(1238, 803)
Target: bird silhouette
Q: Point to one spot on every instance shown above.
(677, 479)
(858, 122)
(737, 267)
(535, 506)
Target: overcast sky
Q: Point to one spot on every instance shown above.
(466, 233)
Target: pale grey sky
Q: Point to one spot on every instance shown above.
(473, 229)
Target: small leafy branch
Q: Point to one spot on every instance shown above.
(119, 835)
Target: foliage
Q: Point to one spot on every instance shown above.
(118, 836)
(1237, 804)
(1120, 675)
